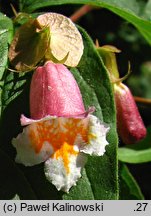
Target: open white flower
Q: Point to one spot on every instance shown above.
(62, 143)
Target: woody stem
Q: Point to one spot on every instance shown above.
(81, 12)
(143, 101)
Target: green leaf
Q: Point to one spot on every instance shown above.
(7, 25)
(95, 86)
(32, 5)
(14, 101)
(13, 86)
(6, 31)
(129, 10)
(129, 189)
(3, 62)
(3, 52)
(137, 153)
(13, 181)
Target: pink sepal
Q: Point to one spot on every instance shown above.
(27, 121)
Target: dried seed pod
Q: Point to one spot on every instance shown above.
(50, 36)
(65, 39)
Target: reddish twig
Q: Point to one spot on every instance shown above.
(144, 101)
(81, 12)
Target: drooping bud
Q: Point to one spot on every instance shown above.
(129, 122)
(54, 92)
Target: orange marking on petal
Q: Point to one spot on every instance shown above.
(61, 134)
(65, 151)
(91, 136)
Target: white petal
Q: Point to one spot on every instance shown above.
(41, 138)
(57, 173)
(96, 137)
(26, 153)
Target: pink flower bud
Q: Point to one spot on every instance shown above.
(129, 122)
(54, 92)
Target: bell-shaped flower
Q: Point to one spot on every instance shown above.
(129, 122)
(130, 125)
(60, 132)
